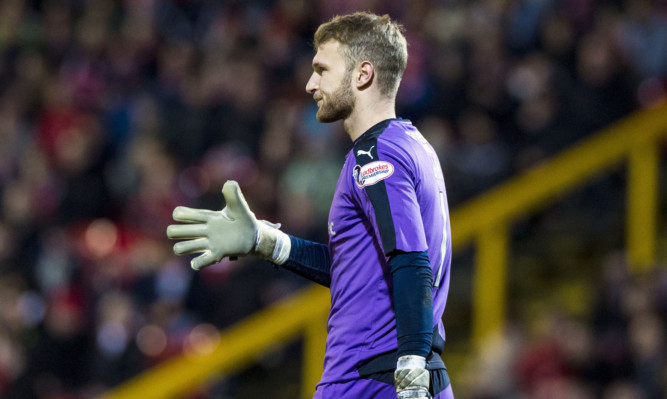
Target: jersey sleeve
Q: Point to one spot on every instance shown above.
(385, 176)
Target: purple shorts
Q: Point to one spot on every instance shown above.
(366, 389)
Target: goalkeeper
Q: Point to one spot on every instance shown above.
(387, 262)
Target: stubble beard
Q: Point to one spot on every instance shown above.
(337, 105)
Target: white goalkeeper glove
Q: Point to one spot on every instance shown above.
(411, 378)
(233, 231)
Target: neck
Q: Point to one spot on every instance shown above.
(366, 115)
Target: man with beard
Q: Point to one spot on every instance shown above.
(388, 258)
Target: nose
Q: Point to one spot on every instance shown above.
(313, 84)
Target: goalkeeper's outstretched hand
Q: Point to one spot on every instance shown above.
(411, 378)
(233, 231)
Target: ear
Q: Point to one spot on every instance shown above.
(365, 75)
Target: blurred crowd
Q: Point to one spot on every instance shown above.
(114, 112)
(615, 350)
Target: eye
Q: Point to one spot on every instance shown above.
(319, 69)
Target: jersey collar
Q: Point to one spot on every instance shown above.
(373, 131)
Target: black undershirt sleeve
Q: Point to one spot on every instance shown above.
(413, 302)
(310, 260)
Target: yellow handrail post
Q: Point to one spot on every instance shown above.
(490, 281)
(315, 336)
(642, 206)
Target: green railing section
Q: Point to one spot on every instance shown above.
(483, 222)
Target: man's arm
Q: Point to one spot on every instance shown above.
(413, 304)
(310, 260)
(397, 215)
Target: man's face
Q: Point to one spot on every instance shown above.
(330, 84)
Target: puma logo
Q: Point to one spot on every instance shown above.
(359, 152)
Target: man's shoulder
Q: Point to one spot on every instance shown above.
(391, 134)
(378, 155)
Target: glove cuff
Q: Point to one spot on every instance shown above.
(416, 393)
(411, 362)
(272, 244)
(411, 377)
(282, 249)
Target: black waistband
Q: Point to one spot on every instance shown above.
(386, 362)
(382, 367)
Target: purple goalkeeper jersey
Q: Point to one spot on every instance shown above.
(390, 196)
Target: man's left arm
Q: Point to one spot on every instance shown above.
(388, 176)
(413, 304)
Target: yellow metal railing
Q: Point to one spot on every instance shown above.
(484, 222)
(240, 347)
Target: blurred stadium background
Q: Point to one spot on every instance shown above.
(114, 112)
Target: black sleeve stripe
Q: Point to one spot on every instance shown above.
(378, 195)
(380, 200)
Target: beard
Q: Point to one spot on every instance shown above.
(337, 105)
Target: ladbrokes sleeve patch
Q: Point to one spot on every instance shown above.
(372, 173)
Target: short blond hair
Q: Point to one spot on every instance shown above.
(369, 37)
